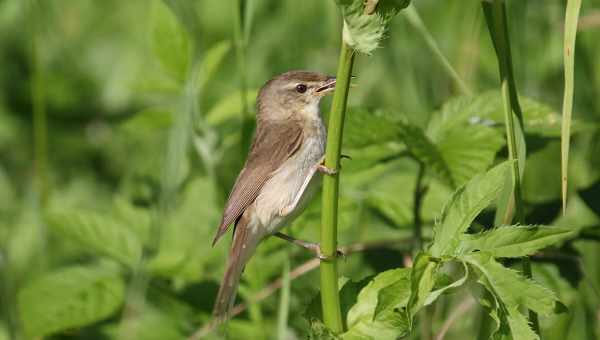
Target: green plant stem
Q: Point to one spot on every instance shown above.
(417, 203)
(499, 31)
(332, 315)
(413, 18)
(240, 35)
(40, 125)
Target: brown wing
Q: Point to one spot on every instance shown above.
(273, 144)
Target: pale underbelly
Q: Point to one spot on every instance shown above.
(281, 190)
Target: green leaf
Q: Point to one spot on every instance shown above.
(519, 325)
(433, 295)
(511, 288)
(571, 19)
(515, 241)
(149, 323)
(468, 150)
(69, 298)
(464, 206)
(230, 107)
(364, 127)
(98, 234)
(211, 61)
(362, 32)
(422, 277)
(391, 324)
(170, 41)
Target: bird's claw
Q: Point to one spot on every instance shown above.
(328, 171)
(328, 258)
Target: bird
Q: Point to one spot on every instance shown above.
(281, 173)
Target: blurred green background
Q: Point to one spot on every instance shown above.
(120, 125)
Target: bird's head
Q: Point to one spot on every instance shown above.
(293, 95)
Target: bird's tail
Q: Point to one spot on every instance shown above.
(243, 247)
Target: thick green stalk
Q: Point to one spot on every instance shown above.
(332, 315)
(497, 25)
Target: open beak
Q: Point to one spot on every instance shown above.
(328, 86)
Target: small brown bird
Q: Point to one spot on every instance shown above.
(279, 175)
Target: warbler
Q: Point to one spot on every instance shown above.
(280, 175)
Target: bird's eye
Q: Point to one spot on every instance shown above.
(300, 88)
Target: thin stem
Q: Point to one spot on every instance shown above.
(415, 21)
(284, 301)
(240, 35)
(332, 315)
(417, 203)
(40, 125)
(498, 27)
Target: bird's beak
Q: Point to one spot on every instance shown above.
(327, 86)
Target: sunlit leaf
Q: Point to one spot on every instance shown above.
(387, 325)
(511, 288)
(515, 241)
(69, 298)
(466, 203)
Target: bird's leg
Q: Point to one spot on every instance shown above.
(312, 246)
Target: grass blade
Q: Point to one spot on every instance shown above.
(571, 18)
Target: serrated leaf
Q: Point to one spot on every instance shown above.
(362, 32)
(69, 298)
(433, 295)
(365, 127)
(211, 61)
(486, 109)
(515, 241)
(422, 278)
(519, 326)
(387, 325)
(511, 288)
(464, 206)
(468, 150)
(393, 296)
(98, 234)
(170, 41)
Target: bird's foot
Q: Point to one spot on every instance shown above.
(328, 171)
(312, 246)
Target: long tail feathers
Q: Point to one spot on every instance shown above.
(241, 251)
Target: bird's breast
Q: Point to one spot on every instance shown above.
(285, 184)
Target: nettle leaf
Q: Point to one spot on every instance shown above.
(436, 293)
(422, 279)
(98, 234)
(389, 324)
(486, 109)
(365, 22)
(511, 288)
(466, 203)
(515, 241)
(211, 61)
(69, 298)
(170, 41)
(468, 150)
(365, 127)
(519, 325)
